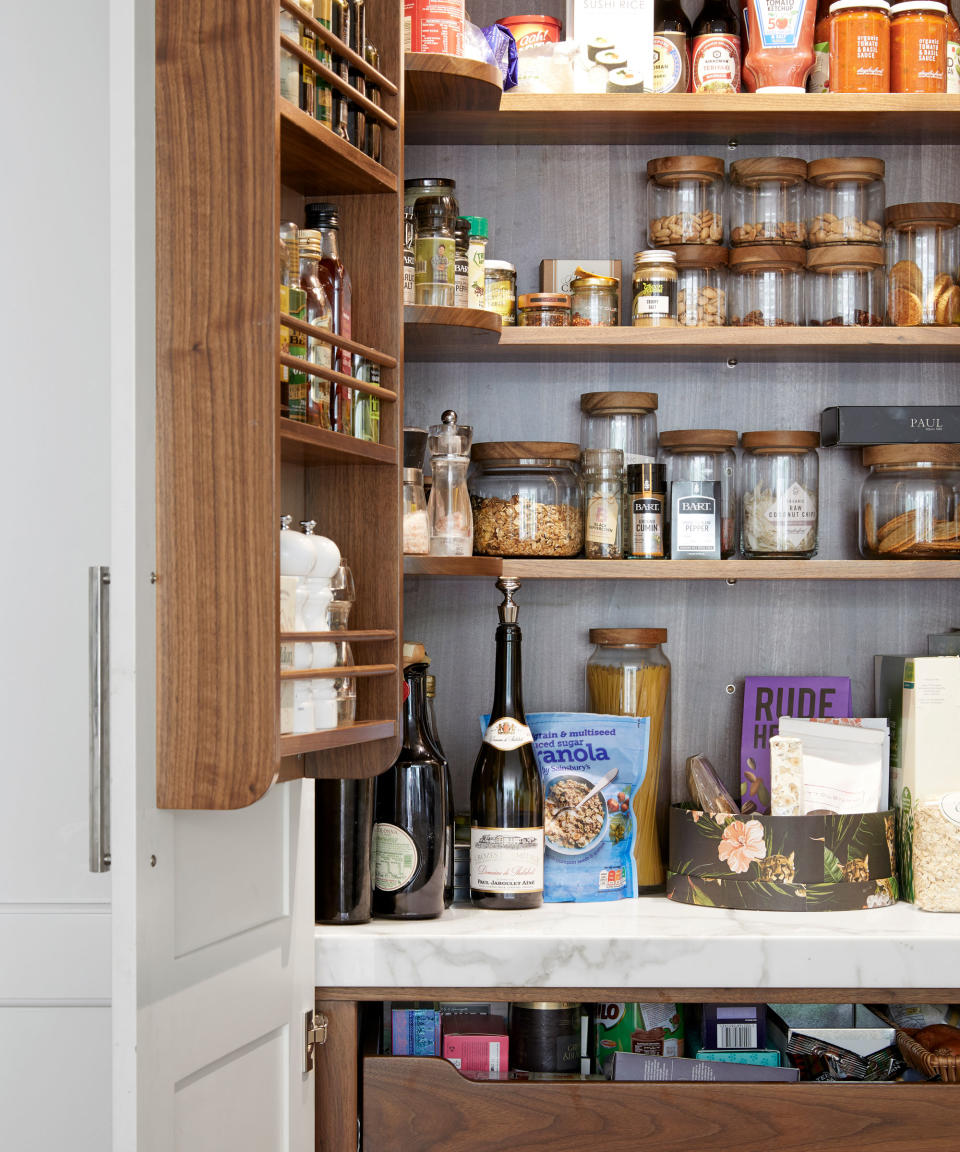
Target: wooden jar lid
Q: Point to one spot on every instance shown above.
(845, 256)
(786, 169)
(617, 403)
(830, 170)
(525, 450)
(617, 637)
(673, 169)
(911, 454)
(692, 439)
(768, 258)
(780, 440)
(926, 214)
(701, 256)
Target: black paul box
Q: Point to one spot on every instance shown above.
(695, 512)
(856, 425)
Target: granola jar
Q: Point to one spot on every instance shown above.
(544, 310)
(922, 258)
(766, 286)
(845, 201)
(910, 502)
(706, 454)
(845, 286)
(684, 201)
(780, 490)
(500, 289)
(767, 201)
(602, 500)
(701, 285)
(596, 302)
(624, 420)
(654, 289)
(526, 499)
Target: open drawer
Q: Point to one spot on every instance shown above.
(423, 1104)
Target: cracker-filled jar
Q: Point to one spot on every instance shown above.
(623, 420)
(706, 455)
(595, 302)
(845, 201)
(766, 286)
(701, 285)
(780, 494)
(845, 286)
(684, 201)
(767, 201)
(922, 259)
(910, 502)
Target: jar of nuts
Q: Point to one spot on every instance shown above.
(684, 201)
(845, 201)
(844, 286)
(701, 285)
(767, 201)
(922, 264)
(526, 498)
(910, 502)
(766, 286)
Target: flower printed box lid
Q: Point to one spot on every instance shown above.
(813, 863)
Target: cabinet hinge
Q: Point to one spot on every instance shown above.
(314, 1034)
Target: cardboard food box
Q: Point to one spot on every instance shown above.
(487, 1053)
(767, 1057)
(812, 863)
(658, 1028)
(621, 26)
(636, 1066)
(834, 1041)
(555, 275)
(415, 1032)
(733, 1026)
(863, 424)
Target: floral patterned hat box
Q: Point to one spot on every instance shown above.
(815, 863)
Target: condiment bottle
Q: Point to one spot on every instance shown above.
(374, 142)
(918, 47)
(715, 61)
(602, 472)
(461, 263)
(476, 256)
(320, 314)
(953, 52)
(671, 47)
(336, 282)
(819, 78)
(655, 289)
(448, 509)
(293, 301)
(780, 51)
(340, 26)
(323, 13)
(780, 484)
(860, 46)
(435, 253)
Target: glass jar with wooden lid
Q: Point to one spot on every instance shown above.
(767, 201)
(544, 310)
(766, 286)
(860, 46)
(684, 201)
(526, 498)
(780, 494)
(623, 420)
(922, 257)
(845, 286)
(595, 301)
(918, 47)
(701, 285)
(706, 455)
(845, 201)
(910, 502)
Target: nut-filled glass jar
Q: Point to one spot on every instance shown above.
(780, 494)
(624, 420)
(922, 260)
(701, 286)
(706, 455)
(766, 286)
(684, 201)
(654, 289)
(544, 310)
(500, 288)
(767, 201)
(526, 498)
(845, 201)
(595, 302)
(910, 502)
(845, 286)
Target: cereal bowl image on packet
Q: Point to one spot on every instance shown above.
(574, 821)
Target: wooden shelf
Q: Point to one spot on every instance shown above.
(476, 567)
(306, 444)
(437, 333)
(452, 83)
(694, 118)
(351, 734)
(354, 636)
(316, 162)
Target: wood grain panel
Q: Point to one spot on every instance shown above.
(315, 161)
(337, 1081)
(305, 444)
(216, 349)
(729, 570)
(434, 81)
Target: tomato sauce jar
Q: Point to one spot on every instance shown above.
(860, 46)
(918, 47)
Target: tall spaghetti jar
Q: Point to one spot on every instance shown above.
(629, 675)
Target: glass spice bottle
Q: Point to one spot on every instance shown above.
(293, 301)
(602, 474)
(325, 218)
(461, 262)
(595, 302)
(476, 254)
(435, 251)
(320, 314)
(655, 289)
(544, 310)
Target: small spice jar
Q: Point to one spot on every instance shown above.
(416, 526)
(461, 264)
(766, 201)
(526, 499)
(500, 289)
(431, 186)
(544, 310)
(910, 502)
(766, 286)
(706, 455)
(435, 253)
(922, 262)
(545, 1036)
(860, 46)
(595, 302)
(701, 285)
(918, 47)
(624, 420)
(655, 289)
(845, 286)
(684, 201)
(476, 255)
(780, 490)
(645, 512)
(602, 474)
(845, 201)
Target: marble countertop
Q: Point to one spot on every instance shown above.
(646, 943)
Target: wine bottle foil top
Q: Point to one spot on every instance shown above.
(508, 609)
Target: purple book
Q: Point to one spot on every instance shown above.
(765, 700)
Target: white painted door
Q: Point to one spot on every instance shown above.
(213, 941)
(55, 921)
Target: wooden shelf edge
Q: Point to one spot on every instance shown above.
(361, 733)
(420, 316)
(433, 80)
(351, 170)
(307, 444)
(355, 636)
(452, 566)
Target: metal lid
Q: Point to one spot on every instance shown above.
(413, 476)
(499, 266)
(544, 1005)
(580, 282)
(321, 214)
(544, 300)
(372, 56)
(618, 403)
(844, 5)
(430, 182)
(780, 440)
(928, 6)
(697, 439)
(655, 256)
(620, 637)
(911, 454)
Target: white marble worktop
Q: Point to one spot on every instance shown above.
(646, 943)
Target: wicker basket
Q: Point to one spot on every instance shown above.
(920, 1060)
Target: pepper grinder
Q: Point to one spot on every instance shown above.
(448, 509)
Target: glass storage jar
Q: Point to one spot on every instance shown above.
(701, 286)
(918, 47)
(780, 492)
(684, 201)
(766, 286)
(654, 289)
(845, 286)
(845, 201)
(766, 201)
(526, 499)
(595, 302)
(629, 675)
(860, 46)
(500, 290)
(544, 310)
(431, 186)
(434, 253)
(910, 502)
(922, 258)
(602, 474)
(624, 420)
(706, 455)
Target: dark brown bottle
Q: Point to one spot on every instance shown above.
(671, 47)
(336, 282)
(715, 56)
(344, 824)
(340, 21)
(431, 686)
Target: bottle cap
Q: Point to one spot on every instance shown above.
(321, 215)
(478, 225)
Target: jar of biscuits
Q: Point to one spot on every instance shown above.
(684, 201)
(767, 201)
(910, 502)
(845, 201)
(922, 258)
(701, 285)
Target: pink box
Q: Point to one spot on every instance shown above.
(486, 1053)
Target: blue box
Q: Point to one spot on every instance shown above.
(415, 1032)
(765, 1057)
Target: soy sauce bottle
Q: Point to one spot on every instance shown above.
(671, 47)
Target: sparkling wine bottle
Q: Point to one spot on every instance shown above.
(431, 682)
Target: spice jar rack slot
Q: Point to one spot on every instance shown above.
(322, 32)
(434, 81)
(332, 673)
(347, 735)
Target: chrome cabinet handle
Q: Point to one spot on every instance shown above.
(99, 593)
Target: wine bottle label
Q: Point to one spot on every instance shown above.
(506, 859)
(395, 857)
(507, 734)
